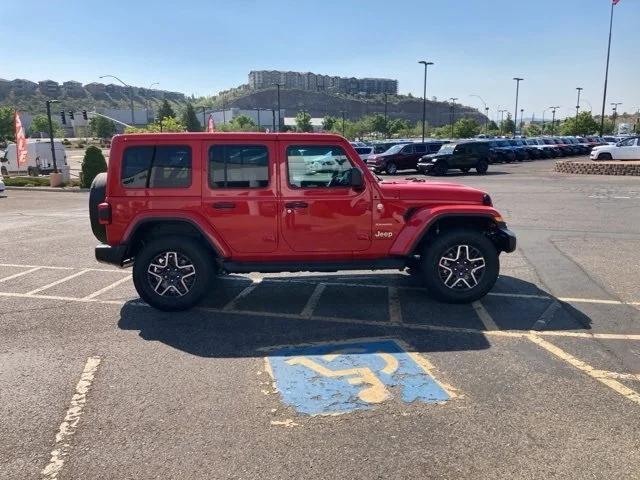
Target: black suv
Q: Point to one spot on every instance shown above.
(460, 155)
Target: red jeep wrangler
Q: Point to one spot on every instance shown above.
(183, 208)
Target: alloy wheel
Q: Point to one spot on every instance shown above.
(171, 274)
(461, 267)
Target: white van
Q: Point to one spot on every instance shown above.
(39, 159)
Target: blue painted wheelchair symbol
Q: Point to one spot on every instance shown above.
(343, 377)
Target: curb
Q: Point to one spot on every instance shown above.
(598, 168)
(49, 189)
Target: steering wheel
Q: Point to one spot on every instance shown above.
(340, 179)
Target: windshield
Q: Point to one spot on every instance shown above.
(395, 148)
(447, 148)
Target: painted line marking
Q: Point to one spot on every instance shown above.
(600, 375)
(234, 301)
(484, 316)
(395, 310)
(107, 288)
(312, 303)
(71, 420)
(373, 323)
(34, 266)
(546, 316)
(58, 282)
(19, 274)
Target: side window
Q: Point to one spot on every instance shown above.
(156, 167)
(407, 149)
(238, 166)
(462, 149)
(627, 143)
(433, 148)
(315, 166)
(421, 148)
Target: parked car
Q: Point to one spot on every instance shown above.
(546, 151)
(365, 152)
(461, 155)
(39, 158)
(627, 149)
(504, 150)
(522, 153)
(610, 140)
(2, 186)
(401, 157)
(206, 204)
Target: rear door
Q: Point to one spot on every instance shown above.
(406, 157)
(319, 210)
(239, 193)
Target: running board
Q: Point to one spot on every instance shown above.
(330, 266)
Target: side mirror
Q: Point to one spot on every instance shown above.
(357, 179)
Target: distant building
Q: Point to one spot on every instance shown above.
(260, 79)
(21, 86)
(72, 88)
(49, 88)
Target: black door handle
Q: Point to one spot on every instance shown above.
(296, 205)
(224, 205)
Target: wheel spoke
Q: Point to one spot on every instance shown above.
(171, 274)
(461, 267)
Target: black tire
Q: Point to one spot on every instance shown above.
(97, 194)
(605, 156)
(440, 168)
(186, 250)
(456, 291)
(482, 167)
(391, 168)
(465, 169)
(4, 171)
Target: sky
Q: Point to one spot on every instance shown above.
(203, 46)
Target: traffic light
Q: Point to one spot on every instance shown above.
(84, 114)
(71, 114)
(62, 117)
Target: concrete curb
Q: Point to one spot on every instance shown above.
(49, 189)
(598, 168)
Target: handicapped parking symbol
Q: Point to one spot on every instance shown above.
(342, 377)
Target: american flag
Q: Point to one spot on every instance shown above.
(615, 2)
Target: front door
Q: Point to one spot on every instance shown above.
(319, 210)
(239, 194)
(628, 150)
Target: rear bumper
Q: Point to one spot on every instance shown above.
(505, 239)
(112, 255)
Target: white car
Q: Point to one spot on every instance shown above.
(627, 149)
(364, 152)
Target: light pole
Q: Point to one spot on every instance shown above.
(53, 150)
(553, 119)
(133, 121)
(606, 73)
(453, 112)
(502, 112)
(146, 102)
(386, 125)
(521, 120)
(515, 120)
(486, 111)
(424, 97)
(342, 112)
(579, 89)
(615, 115)
(543, 112)
(278, 85)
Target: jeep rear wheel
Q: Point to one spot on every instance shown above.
(172, 273)
(460, 266)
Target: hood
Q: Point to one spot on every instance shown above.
(427, 191)
(432, 156)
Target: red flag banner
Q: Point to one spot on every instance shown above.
(21, 143)
(615, 2)
(211, 127)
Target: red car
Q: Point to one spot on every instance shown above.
(185, 207)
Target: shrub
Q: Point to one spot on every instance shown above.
(93, 163)
(80, 145)
(66, 142)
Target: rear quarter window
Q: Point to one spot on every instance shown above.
(156, 166)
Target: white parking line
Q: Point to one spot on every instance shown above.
(58, 282)
(15, 265)
(312, 303)
(107, 288)
(69, 425)
(232, 304)
(16, 275)
(484, 316)
(395, 310)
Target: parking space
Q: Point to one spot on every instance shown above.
(351, 374)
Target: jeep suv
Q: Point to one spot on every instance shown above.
(401, 157)
(185, 207)
(461, 155)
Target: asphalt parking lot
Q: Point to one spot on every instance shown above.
(348, 375)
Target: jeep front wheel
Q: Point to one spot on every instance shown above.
(460, 266)
(391, 168)
(172, 273)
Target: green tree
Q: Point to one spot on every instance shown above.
(93, 163)
(398, 125)
(508, 125)
(532, 130)
(328, 123)
(190, 120)
(303, 122)
(7, 127)
(493, 125)
(466, 128)
(168, 124)
(102, 127)
(585, 125)
(165, 111)
(40, 123)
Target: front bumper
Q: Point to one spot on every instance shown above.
(424, 167)
(112, 255)
(504, 239)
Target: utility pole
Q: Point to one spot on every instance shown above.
(515, 120)
(579, 89)
(424, 97)
(606, 73)
(553, 120)
(615, 115)
(53, 150)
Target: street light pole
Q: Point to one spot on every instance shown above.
(501, 112)
(515, 120)
(453, 112)
(553, 120)
(130, 95)
(615, 115)
(53, 150)
(521, 120)
(424, 97)
(606, 73)
(146, 102)
(342, 112)
(278, 85)
(386, 125)
(486, 111)
(579, 89)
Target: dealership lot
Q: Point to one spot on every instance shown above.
(351, 374)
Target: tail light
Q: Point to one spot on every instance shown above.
(104, 213)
